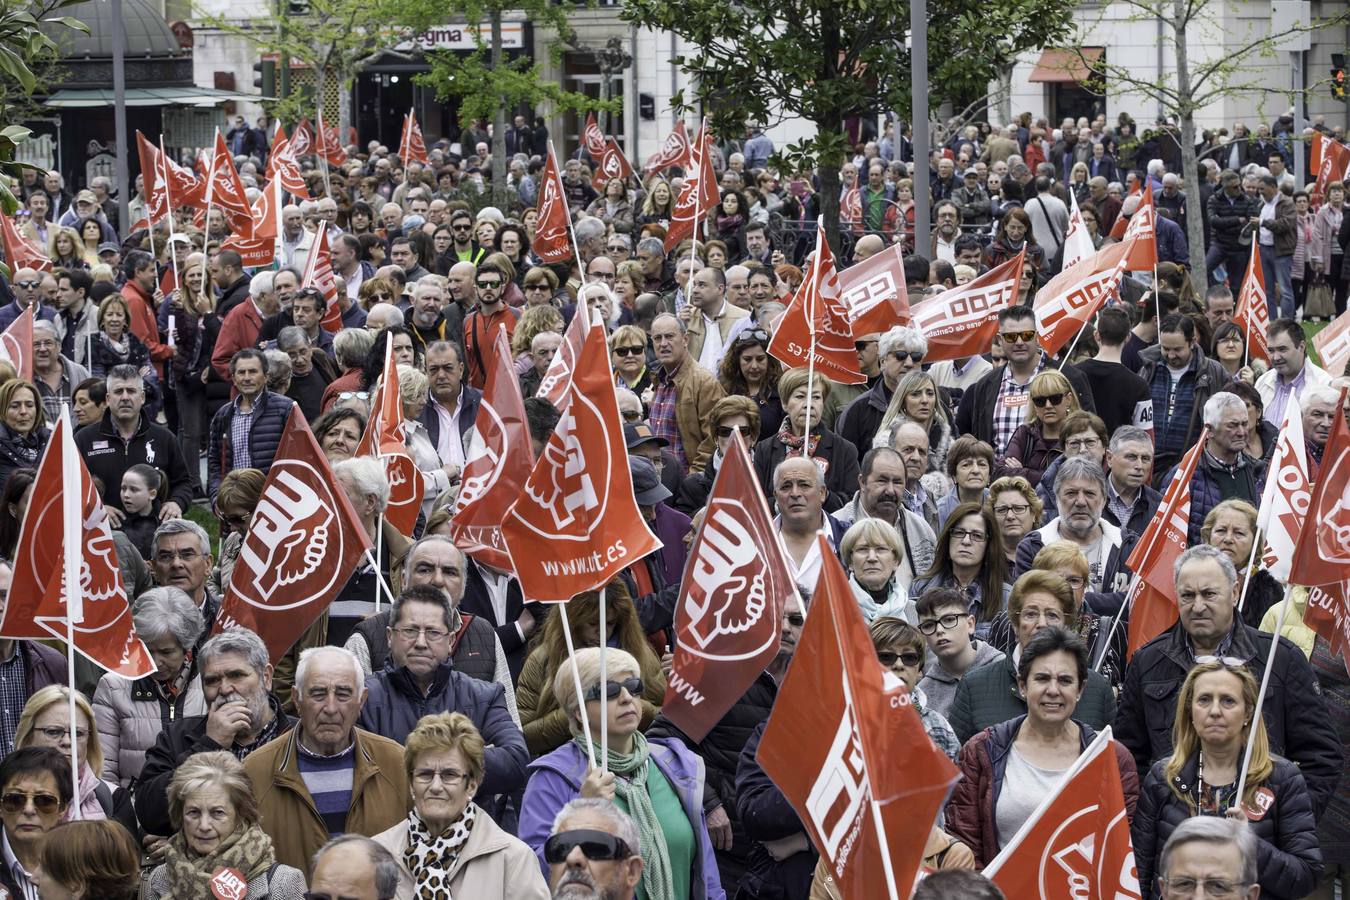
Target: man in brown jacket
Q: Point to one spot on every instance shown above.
(683, 395)
(327, 777)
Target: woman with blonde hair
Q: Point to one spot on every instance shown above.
(629, 281)
(1035, 444)
(541, 716)
(659, 204)
(1232, 527)
(66, 249)
(533, 320)
(917, 399)
(1017, 510)
(628, 356)
(1215, 721)
(872, 553)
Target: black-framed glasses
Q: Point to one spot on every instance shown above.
(725, 431)
(461, 227)
(1013, 337)
(596, 845)
(57, 732)
(975, 537)
(946, 623)
(907, 658)
(17, 801)
(488, 285)
(1048, 400)
(903, 355)
(1017, 509)
(629, 351)
(632, 685)
(795, 619)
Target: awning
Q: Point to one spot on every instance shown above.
(180, 96)
(1070, 65)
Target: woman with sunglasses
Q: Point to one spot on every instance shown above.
(968, 559)
(729, 415)
(747, 370)
(376, 290)
(902, 652)
(35, 795)
(1035, 444)
(628, 355)
(658, 783)
(1213, 725)
(1011, 766)
(448, 843)
(540, 286)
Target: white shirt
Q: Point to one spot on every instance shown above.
(711, 354)
(807, 572)
(354, 284)
(16, 871)
(498, 584)
(450, 443)
(1268, 215)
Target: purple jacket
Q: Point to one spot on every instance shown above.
(671, 526)
(556, 779)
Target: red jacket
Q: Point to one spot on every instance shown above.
(144, 324)
(239, 330)
(479, 333)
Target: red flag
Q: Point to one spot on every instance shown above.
(168, 281)
(1252, 314)
(152, 175)
(576, 524)
(874, 292)
(1284, 504)
(832, 742)
(326, 142)
(1067, 303)
(850, 210)
(1142, 225)
(226, 191)
(183, 185)
(411, 147)
(613, 164)
(592, 138)
(1322, 556)
(497, 462)
(284, 163)
(736, 585)
(1328, 614)
(302, 139)
(303, 542)
(102, 629)
(962, 322)
(558, 376)
(1333, 344)
(1077, 843)
(16, 344)
(384, 438)
(551, 243)
(21, 253)
(260, 249)
(698, 196)
(1153, 595)
(319, 274)
(816, 323)
(675, 151)
(1333, 164)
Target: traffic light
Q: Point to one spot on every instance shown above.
(266, 77)
(1338, 76)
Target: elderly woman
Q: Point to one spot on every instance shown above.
(436, 475)
(837, 456)
(1035, 444)
(728, 416)
(747, 370)
(23, 427)
(628, 355)
(544, 720)
(1018, 512)
(95, 860)
(1262, 435)
(236, 499)
(1010, 767)
(45, 722)
(367, 487)
(540, 286)
(989, 695)
(659, 783)
(872, 551)
(448, 843)
(131, 714)
(967, 559)
(901, 650)
(1231, 526)
(35, 783)
(115, 345)
(1213, 725)
(970, 464)
(216, 825)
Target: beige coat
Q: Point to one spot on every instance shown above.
(494, 864)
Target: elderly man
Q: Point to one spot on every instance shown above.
(799, 496)
(326, 776)
(1290, 372)
(684, 394)
(383, 315)
(124, 437)
(882, 483)
(1224, 471)
(452, 404)
(421, 680)
(302, 307)
(1319, 412)
(295, 240)
(899, 352)
(236, 676)
(180, 557)
(25, 666)
(910, 440)
(711, 319)
(1080, 492)
(240, 329)
(1209, 850)
(593, 827)
(428, 321)
(354, 867)
(245, 432)
(542, 350)
(311, 371)
(1130, 501)
(1298, 723)
(54, 375)
(738, 287)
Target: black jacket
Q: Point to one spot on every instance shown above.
(108, 457)
(471, 399)
(975, 415)
(766, 815)
(477, 602)
(1298, 722)
(859, 421)
(1288, 861)
(1229, 216)
(232, 296)
(269, 423)
(21, 451)
(838, 456)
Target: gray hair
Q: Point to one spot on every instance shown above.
(351, 346)
(292, 337)
(587, 228)
(367, 476)
(623, 826)
(1320, 393)
(534, 341)
(1203, 552)
(123, 372)
(1213, 830)
(1080, 468)
(381, 861)
(653, 246)
(393, 316)
(238, 640)
(1221, 404)
(262, 283)
(181, 526)
(623, 236)
(820, 473)
(278, 369)
(902, 338)
(1129, 434)
(44, 325)
(167, 610)
(308, 656)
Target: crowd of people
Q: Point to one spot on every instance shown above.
(984, 508)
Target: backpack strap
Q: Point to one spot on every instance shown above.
(105, 798)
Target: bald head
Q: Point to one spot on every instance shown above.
(868, 246)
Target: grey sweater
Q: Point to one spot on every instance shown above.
(939, 685)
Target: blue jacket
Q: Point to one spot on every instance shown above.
(1171, 242)
(394, 705)
(556, 779)
(1207, 493)
(11, 311)
(269, 423)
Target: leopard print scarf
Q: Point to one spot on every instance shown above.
(248, 851)
(430, 858)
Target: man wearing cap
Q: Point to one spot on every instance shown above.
(24, 291)
(642, 441)
(110, 254)
(86, 206)
(973, 202)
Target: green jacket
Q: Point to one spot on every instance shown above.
(988, 695)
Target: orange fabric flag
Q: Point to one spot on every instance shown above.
(319, 275)
(1252, 313)
(592, 138)
(675, 151)
(284, 163)
(874, 292)
(384, 439)
(326, 142)
(411, 146)
(1142, 225)
(1322, 556)
(962, 322)
(225, 191)
(816, 323)
(153, 177)
(1067, 303)
(20, 253)
(260, 249)
(551, 242)
(16, 344)
(613, 164)
(698, 196)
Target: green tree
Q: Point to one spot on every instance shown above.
(825, 60)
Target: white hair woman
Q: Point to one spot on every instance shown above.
(872, 553)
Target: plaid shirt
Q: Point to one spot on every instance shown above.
(1172, 410)
(13, 695)
(662, 413)
(1010, 406)
(240, 426)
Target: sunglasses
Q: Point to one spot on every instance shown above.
(27, 284)
(596, 845)
(795, 619)
(629, 351)
(753, 336)
(540, 286)
(17, 801)
(1228, 662)
(1013, 337)
(902, 355)
(1048, 400)
(908, 658)
(632, 415)
(488, 285)
(612, 688)
(860, 346)
(726, 431)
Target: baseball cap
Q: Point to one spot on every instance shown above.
(86, 197)
(972, 172)
(647, 487)
(108, 247)
(639, 433)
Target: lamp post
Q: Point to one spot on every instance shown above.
(120, 113)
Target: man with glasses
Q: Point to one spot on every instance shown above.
(27, 292)
(896, 353)
(1217, 856)
(421, 681)
(180, 557)
(464, 248)
(1299, 725)
(480, 326)
(593, 852)
(601, 270)
(997, 404)
(713, 321)
(54, 376)
(948, 629)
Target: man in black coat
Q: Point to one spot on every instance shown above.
(1298, 724)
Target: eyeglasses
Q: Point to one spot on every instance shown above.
(946, 623)
(448, 777)
(1212, 887)
(1078, 445)
(354, 395)
(1048, 400)
(975, 537)
(17, 801)
(908, 658)
(188, 554)
(1017, 509)
(488, 285)
(616, 248)
(902, 355)
(1228, 662)
(860, 346)
(596, 845)
(1014, 337)
(725, 431)
(612, 689)
(58, 732)
(411, 633)
(632, 415)
(1051, 616)
(753, 336)
(795, 619)
(629, 351)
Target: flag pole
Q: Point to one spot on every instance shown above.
(173, 260)
(1261, 697)
(71, 558)
(604, 688)
(1251, 564)
(1111, 633)
(380, 581)
(210, 194)
(811, 330)
(576, 684)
